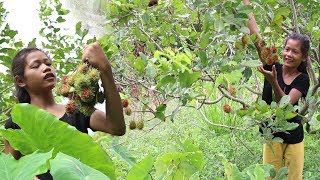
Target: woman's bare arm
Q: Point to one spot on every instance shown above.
(8, 149)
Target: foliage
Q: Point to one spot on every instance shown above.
(68, 167)
(185, 51)
(26, 168)
(53, 133)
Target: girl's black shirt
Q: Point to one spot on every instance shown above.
(301, 83)
(76, 119)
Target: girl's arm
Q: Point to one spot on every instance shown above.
(112, 120)
(253, 27)
(8, 149)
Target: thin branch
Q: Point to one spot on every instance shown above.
(240, 140)
(253, 91)
(233, 98)
(294, 11)
(145, 33)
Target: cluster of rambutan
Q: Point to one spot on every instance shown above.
(82, 89)
(268, 54)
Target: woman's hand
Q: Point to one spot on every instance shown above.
(271, 76)
(94, 55)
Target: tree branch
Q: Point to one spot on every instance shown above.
(294, 11)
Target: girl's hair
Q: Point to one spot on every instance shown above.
(304, 47)
(17, 69)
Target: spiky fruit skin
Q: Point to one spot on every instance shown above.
(65, 90)
(71, 107)
(86, 95)
(227, 108)
(125, 103)
(94, 74)
(132, 124)
(65, 79)
(128, 111)
(270, 61)
(82, 89)
(140, 124)
(81, 81)
(268, 54)
(232, 90)
(82, 68)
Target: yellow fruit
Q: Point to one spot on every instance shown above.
(140, 124)
(232, 90)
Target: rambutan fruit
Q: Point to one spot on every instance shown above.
(87, 110)
(82, 68)
(132, 124)
(94, 74)
(86, 95)
(140, 124)
(128, 111)
(227, 108)
(71, 107)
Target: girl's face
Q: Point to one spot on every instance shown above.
(38, 72)
(292, 55)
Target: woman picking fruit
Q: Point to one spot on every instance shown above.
(35, 79)
(289, 78)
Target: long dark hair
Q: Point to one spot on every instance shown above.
(17, 69)
(305, 46)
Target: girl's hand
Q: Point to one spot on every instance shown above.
(94, 55)
(271, 76)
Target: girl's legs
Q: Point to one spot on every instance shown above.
(292, 155)
(273, 154)
(294, 159)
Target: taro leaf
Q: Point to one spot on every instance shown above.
(180, 165)
(67, 167)
(25, 168)
(141, 169)
(42, 130)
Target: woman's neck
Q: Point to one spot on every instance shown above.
(289, 71)
(43, 101)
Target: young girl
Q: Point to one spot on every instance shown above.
(35, 78)
(289, 78)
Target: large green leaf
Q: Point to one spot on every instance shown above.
(66, 167)
(141, 169)
(25, 168)
(180, 165)
(42, 130)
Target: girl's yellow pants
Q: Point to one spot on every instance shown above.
(282, 154)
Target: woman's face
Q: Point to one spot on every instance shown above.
(38, 72)
(292, 55)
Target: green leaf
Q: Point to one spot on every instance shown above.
(277, 139)
(161, 107)
(141, 169)
(290, 115)
(186, 78)
(60, 19)
(204, 40)
(67, 167)
(251, 63)
(180, 165)
(166, 80)
(25, 168)
(53, 133)
(285, 100)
